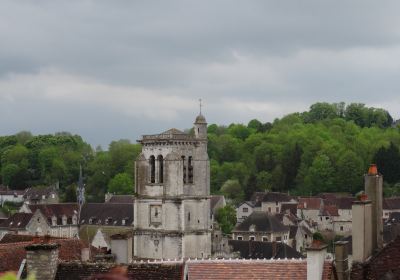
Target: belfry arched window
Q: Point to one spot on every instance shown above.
(160, 169)
(152, 163)
(190, 170)
(184, 169)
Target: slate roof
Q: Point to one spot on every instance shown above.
(291, 207)
(313, 203)
(110, 214)
(38, 192)
(17, 221)
(292, 231)
(250, 269)
(121, 199)
(214, 200)
(276, 197)
(56, 209)
(259, 249)
(391, 203)
(394, 218)
(263, 222)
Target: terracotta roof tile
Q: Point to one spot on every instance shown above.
(314, 203)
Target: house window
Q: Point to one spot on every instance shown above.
(269, 209)
(305, 236)
(264, 239)
(341, 228)
(326, 218)
(252, 238)
(244, 217)
(278, 238)
(276, 202)
(245, 209)
(320, 218)
(240, 238)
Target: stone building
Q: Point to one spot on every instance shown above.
(172, 202)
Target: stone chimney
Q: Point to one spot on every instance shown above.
(42, 260)
(342, 260)
(315, 260)
(121, 247)
(85, 254)
(373, 189)
(362, 230)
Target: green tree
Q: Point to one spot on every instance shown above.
(388, 162)
(121, 184)
(349, 172)
(9, 174)
(320, 177)
(226, 218)
(233, 190)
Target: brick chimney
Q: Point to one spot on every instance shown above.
(315, 260)
(342, 260)
(42, 260)
(362, 230)
(373, 189)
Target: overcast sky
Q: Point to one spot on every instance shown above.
(117, 69)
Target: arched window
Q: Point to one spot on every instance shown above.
(160, 169)
(190, 170)
(152, 169)
(189, 216)
(184, 169)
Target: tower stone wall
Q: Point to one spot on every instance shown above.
(172, 201)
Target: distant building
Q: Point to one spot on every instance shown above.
(244, 210)
(41, 195)
(118, 198)
(261, 226)
(25, 223)
(62, 218)
(7, 195)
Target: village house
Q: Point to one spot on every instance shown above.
(244, 210)
(41, 195)
(261, 226)
(25, 223)
(309, 208)
(62, 218)
(7, 195)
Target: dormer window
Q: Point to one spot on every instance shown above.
(252, 228)
(123, 222)
(43, 197)
(54, 220)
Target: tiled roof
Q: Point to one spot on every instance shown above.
(136, 271)
(17, 221)
(344, 202)
(267, 250)
(263, 222)
(329, 210)
(251, 269)
(394, 217)
(110, 214)
(391, 203)
(121, 199)
(313, 203)
(12, 254)
(14, 238)
(383, 265)
(56, 209)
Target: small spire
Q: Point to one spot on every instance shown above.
(200, 104)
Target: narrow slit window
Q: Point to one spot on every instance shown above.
(160, 169)
(190, 169)
(184, 169)
(152, 169)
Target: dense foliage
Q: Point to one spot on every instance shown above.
(327, 148)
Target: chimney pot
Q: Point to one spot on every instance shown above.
(373, 169)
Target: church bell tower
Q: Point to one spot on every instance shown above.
(172, 200)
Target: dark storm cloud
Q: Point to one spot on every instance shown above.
(116, 69)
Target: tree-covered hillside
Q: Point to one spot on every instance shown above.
(327, 148)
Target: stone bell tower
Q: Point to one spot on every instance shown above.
(172, 201)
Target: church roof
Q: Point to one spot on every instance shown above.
(200, 119)
(173, 131)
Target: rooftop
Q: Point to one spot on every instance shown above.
(263, 222)
(267, 250)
